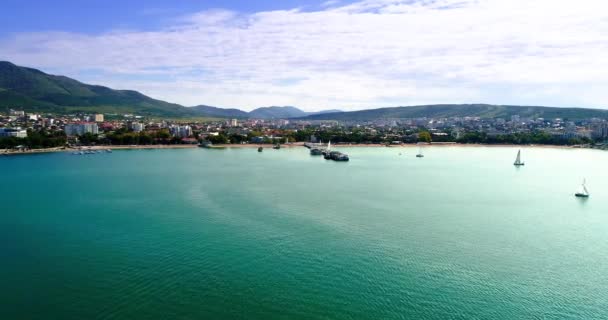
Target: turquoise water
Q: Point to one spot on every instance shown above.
(237, 234)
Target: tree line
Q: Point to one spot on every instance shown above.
(35, 140)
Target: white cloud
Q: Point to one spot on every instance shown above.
(368, 53)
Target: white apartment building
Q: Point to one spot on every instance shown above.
(78, 129)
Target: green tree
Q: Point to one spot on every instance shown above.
(424, 136)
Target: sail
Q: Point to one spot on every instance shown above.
(518, 159)
(329, 145)
(584, 187)
(582, 190)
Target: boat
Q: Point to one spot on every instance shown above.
(582, 192)
(277, 146)
(336, 156)
(206, 144)
(518, 161)
(316, 152)
(260, 149)
(109, 150)
(419, 155)
(339, 156)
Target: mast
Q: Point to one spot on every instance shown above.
(585, 187)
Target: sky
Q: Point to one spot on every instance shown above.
(317, 55)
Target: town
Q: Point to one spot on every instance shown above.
(20, 130)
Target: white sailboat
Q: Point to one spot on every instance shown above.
(419, 155)
(329, 145)
(582, 192)
(518, 161)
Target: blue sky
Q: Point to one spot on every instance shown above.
(91, 16)
(343, 54)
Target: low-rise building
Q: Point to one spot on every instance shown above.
(13, 132)
(17, 113)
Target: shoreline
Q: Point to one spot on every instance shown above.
(6, 152)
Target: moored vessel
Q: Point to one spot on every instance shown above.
(316, 152)
(518, 161)
(582, 192)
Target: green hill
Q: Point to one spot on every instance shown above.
(34, 90)
(463, 110)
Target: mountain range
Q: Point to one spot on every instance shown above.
(259, 113)
(463, 110)
(35, 91)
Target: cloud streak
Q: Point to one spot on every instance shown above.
(359, 55)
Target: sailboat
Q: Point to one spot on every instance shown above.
(329, 145)
(419, 155)
(582, 192)
(518, 161)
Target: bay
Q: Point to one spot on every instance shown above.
(237, 234)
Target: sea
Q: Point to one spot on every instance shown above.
(239, 234)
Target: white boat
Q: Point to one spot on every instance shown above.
(329, 145)
(419, 155)
(582, 192)
(518, 161)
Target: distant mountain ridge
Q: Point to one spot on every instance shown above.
(36, 91)
(220, 112)
(463, 110)
(274, 112)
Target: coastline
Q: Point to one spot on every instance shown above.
(5, 152)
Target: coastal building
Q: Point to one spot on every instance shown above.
(137, 127)
(234, 123)
(99, 118)
(600, 130)
(13, 132)
(181, 131)
(78, 129)
(16, 113)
